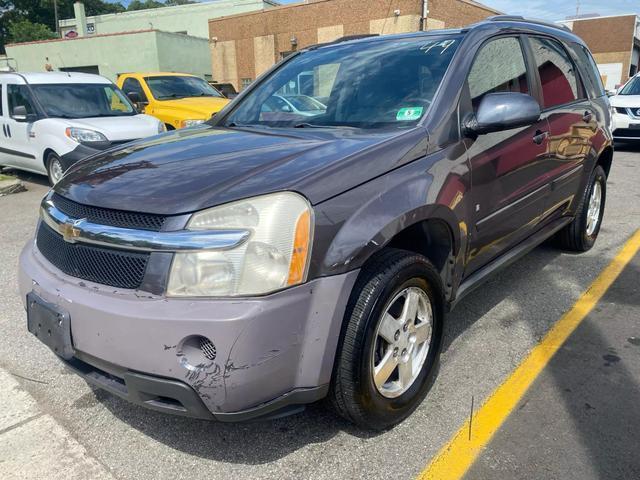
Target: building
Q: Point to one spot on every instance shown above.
(245, 45)
(614, 42)
(170, 39)
(111, 54)
(190, 19)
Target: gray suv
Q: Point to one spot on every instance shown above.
(271, 257)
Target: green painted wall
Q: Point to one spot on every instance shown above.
(192, 19)
(134, 52)
(182, 53)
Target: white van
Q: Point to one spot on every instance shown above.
(51, 120)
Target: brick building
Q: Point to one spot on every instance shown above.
(245, 45)
(614, 42)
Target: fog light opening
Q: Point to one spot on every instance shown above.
(196, 352)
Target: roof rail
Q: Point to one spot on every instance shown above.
(520, 18)
(346, 38)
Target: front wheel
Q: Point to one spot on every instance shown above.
(390, 341)
(580, 235)
(54, 168)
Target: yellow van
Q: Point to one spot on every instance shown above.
(178, 99)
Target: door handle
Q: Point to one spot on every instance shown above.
(539, 137)
(9, 131)
(587, 117)
(4, 129)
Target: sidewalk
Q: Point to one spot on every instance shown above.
(34, 446)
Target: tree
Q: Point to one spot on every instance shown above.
(26, 31)
(146, 4)
(41, 11)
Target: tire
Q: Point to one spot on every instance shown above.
(353, 393)
(53, 163)
(580, 235)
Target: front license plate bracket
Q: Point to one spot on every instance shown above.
(50, 324)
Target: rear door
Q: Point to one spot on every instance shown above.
(571, 116)
(508, 168)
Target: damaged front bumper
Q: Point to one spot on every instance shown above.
(266, 356)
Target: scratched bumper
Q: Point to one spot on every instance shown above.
(270, 351)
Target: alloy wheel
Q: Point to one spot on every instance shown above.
(402, 341)
(593, 211)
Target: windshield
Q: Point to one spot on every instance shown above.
(364, 85)
(631, 88)
(304, 103)
(82, 100)
(169, 87)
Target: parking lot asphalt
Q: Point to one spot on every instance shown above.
(487, 335)
(580, 418)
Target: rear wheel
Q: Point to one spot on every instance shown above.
(54, 168)
(580, 235)
(390, 342)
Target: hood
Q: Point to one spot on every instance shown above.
(626, 101)
(118, 128)
(199, 107)
(187, 170)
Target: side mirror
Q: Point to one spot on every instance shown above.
(134, 97)
(19, 114)
(503, 111)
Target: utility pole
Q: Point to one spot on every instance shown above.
(577, 7)
(55, 15)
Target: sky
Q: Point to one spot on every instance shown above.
(547, 9)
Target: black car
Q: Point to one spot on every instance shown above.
(262, 261)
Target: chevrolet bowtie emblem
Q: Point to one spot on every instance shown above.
(70, 230)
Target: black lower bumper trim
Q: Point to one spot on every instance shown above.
(626, 134)
(156, 393)
(287, 404)
(176, 397)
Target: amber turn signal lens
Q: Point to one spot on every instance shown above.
(300, 249)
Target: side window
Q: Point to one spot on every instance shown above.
(498, 67)
(557, 73)
(133, 85)
(591, 68)
(18, 96)
(1, 99)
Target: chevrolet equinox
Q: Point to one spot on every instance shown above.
(266, 259)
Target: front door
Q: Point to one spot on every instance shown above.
(18, 141)
(508, 168)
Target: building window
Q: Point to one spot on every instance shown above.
(245, 82)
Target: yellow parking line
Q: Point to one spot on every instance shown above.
(455, 458)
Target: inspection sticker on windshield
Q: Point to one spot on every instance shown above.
(410, 113)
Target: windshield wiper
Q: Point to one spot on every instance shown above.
(315, 125)
(173, 95)
(243, 125)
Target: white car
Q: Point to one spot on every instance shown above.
(51, 120)
(626, 111)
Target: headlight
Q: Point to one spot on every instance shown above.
(84, 135)
(191, 123)
(275, 256)
(161, 127)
